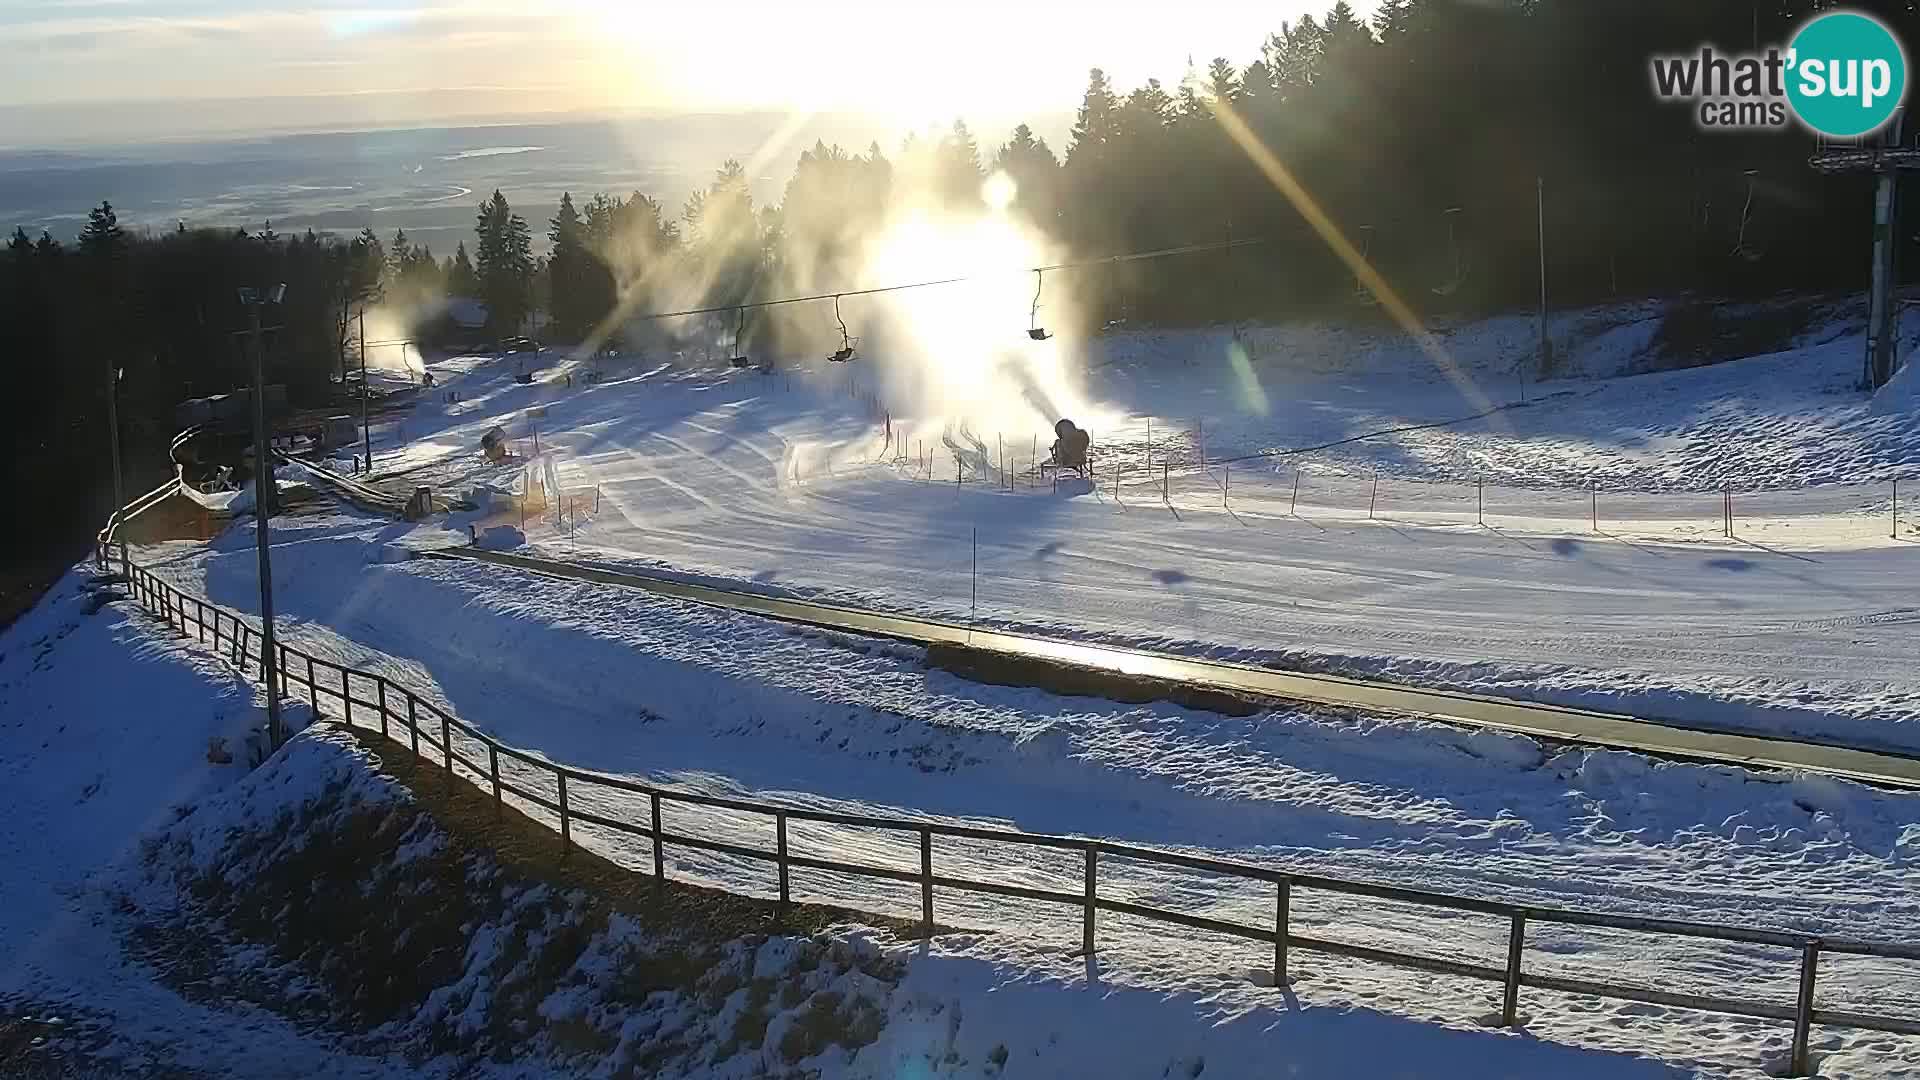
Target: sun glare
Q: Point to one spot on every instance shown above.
(958, 358)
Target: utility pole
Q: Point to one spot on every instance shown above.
(263, 500)
(1540, 209)
(366, 432)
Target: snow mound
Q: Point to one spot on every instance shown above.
(1901, 395)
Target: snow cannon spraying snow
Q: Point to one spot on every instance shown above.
(1070, 448)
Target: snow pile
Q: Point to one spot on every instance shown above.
(1900, 398)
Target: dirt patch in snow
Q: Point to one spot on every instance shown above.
(345, 887)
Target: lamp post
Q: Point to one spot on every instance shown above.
(263, 500)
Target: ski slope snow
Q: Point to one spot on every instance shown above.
(1569, 549)
(731, 705)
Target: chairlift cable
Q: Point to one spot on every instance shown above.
(1132, 256)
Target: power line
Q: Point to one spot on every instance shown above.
(1132, 256)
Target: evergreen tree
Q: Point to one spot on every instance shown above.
(1035, 172)
(102, 237)
(958, 167)
(460, 275)
(504, 265)
(399, 256)
(578, 280)
(1223, 82)
(1096, 125)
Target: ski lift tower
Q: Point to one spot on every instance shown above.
(1885, 158)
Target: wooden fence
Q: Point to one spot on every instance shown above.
(371, 700)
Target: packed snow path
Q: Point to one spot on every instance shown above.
(1582, 727)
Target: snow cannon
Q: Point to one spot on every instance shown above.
(494, 445)
(1070, 448)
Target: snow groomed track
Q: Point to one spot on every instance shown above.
(1130, 666)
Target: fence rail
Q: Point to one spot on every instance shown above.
(387, 705)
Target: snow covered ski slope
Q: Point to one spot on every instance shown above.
(734, 706)
(1570, 549)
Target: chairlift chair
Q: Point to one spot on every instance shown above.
(740, 359)
(847, 344)
(1034, 329)
(1452, 285)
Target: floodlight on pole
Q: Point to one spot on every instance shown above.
(263, 500)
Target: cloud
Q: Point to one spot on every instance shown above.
(355, 23)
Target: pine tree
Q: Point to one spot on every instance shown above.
(1035, 172)
(460, 275)
(399, 256)
(504, 264)
(1293, 56)
(102, 238)
(1223, 82)
(1096, 125)
(579, 283)
(958, 166)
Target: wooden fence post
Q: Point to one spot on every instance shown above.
(1087, 909)
(659, 856)
(566, 823)
(926, 879)
(1803, 1012)
(446, 745)
(1374, 498)
(780, 854)
(313, 688)
(1293, 508)
(1280, 915)
(493, 772)
(413, 726)
(380, 685)
(1516, 944)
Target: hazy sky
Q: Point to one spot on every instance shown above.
(381, 62)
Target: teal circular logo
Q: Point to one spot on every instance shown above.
(1846, 74)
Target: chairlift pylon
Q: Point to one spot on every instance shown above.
(847, 344)
(1452, 285)
(1034, 329)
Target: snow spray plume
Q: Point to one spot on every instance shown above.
(392, 326)
(948, 360)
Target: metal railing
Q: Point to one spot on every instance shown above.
(400, 713)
